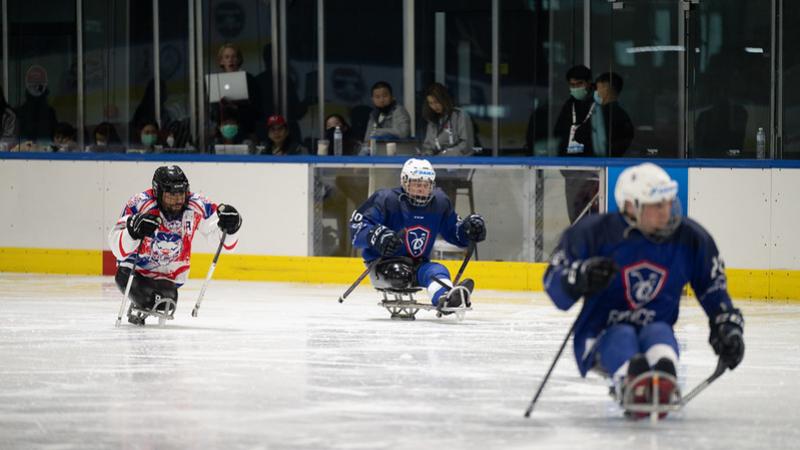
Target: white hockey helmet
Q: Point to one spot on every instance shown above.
(647, 184)
(418, 170)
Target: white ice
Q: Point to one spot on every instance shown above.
(284, 366)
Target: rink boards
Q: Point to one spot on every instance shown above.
(59, 212)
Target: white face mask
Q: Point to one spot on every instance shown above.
(170, 141)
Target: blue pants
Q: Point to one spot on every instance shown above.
(425, 274)
(620, 342)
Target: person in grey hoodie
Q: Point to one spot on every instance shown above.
(450, 131)
(388, 118)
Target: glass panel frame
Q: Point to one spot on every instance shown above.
(729, 66)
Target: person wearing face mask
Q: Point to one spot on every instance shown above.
(573, 127)
(230, 132)
(612, 129)
(148, 135)
(388, 118)
(573, 130)
(106, 139)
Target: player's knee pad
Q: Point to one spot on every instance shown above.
(392, 274)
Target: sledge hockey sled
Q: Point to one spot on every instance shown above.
(652, 393)
(402, 306)
(163, 308)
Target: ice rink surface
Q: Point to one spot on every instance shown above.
(284, 366)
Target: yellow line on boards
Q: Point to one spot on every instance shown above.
(497, 275)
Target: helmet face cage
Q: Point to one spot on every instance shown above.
(169, 179)
(648, 184)
(662, 234)
(418, 170)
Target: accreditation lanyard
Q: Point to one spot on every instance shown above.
(447, 125)
(575, 124)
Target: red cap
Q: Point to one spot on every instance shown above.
(276, 120)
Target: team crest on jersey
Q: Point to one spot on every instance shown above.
(643, 281)
(417, 240)
(166, 247)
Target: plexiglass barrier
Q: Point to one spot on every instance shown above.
(526, 207)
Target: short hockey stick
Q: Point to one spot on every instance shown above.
(209, 275)
(355, 284)
(470, 251)
(128, 286)
(700, 387)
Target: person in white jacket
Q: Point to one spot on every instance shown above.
(153, 236)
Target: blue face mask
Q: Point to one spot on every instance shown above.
(229, 131)
(149, 139)
(579, 93)
(597, 98)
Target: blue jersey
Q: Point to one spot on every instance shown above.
(421, 225)
(651, 278)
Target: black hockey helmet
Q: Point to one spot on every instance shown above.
(393, 274)
(169, 179)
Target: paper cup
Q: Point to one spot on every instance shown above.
(322, 147)
(391, 148)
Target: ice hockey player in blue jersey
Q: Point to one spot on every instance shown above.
(630, 268)
(400, 225)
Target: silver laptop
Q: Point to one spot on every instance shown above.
(231, 85)
(236, 149)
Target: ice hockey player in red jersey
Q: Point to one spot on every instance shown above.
(154, 235)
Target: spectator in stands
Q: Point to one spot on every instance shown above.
(350, 145)
(179, 135)
(106, 139)
(149, 139)
(36, 118)
(279, 141)
(229, 131)
(9, 127)
(612, 129)
(388, 118)
(450, 130)
(573, 127)
(64, 138)
(573, 130)
(230, 59)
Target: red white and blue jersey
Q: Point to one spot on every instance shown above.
(651, 276)
(389, 207)
(165, 256)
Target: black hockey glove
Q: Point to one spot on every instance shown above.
(590, 276)
(229, 219)
(384, 241)
(727, 338)
(142, 225)
(474, 228)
